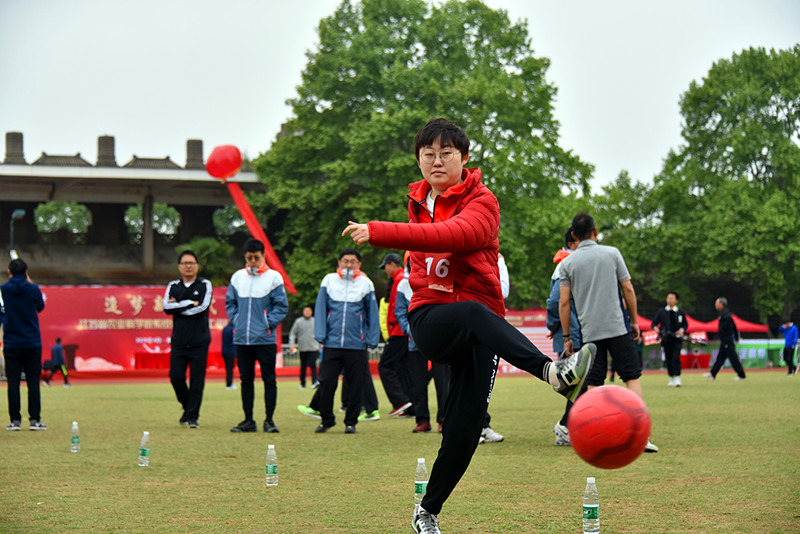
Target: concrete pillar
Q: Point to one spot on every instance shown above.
(105, 151)
(194, 154)
(14, 152)
(148, 245)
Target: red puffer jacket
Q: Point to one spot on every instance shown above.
(454, 254)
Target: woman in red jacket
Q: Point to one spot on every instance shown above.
(457, 313)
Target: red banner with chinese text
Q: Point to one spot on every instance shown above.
(107, 328)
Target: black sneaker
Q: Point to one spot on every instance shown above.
(13, 425)
(321, 429)
(245, 426)
(184, 420)
(350, 429)
(572, 371)
(270, 427)
(193, 423)
(37, 425)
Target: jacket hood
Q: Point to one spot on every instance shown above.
(17, 284)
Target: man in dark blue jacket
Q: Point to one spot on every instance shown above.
(21, 304)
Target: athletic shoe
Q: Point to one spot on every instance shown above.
(309, 411)
(302, 386)
(321, 429)
(13, 425)
(650, 447)
(37, 425)
(67, 385)
(245, 426)
(740, 378)
(270, 428)
(572, 371)
(370, 416)
(424, 522)
(490, 436)
(422, 427)
(709, 376)
(193, 423)
(184, 420)
(678, 382)
(46, 383)
(671, 382)
(315, 385)
(562, 434)
(350, 429)
(400, 410)
(232, 386)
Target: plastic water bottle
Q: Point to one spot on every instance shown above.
(591, 508)
(420, 481)
(75, 441)
(144, 450)
(271, 466)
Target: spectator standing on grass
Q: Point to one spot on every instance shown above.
(457, 313)
(593, 276)
(728, 336)
(56, 363)
(187, 300)
(670, 324)
(301, 337)
(21, 302)
(256, 304)
(790, 334)
(228, 354)
(347, 326)
(554, 326)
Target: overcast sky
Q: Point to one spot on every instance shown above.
(156, 73)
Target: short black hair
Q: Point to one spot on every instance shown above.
(568, 237)
(17, 266)
(58, 340)
(677, 297)
(446, 131)
(187, 253)
(346, 251)
(582, 226)
(253, 245)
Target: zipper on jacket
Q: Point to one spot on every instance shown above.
(344, 312)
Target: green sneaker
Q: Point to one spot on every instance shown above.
(307, 410)
(370, 416)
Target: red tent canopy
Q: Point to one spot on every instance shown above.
(747, 326)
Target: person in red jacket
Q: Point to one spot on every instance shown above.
(457, 314)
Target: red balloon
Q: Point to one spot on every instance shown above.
(225, 161)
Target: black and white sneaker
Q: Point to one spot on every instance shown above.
(424, 522)
(193, 423)
(572, 371)
(37, 425)
(245, 426)
(13, 425)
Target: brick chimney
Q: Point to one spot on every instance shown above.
(105, 151)
(194, 154)
(14, 153)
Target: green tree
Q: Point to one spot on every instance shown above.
(166, 220)
(214, 258)
(70, 216)
(382, 69)
(725, 205)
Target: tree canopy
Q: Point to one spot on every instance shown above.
(381, 70)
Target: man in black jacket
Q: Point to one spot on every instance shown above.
(728, 334)
(187, 300)
(670, 323)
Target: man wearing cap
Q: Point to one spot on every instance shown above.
(392, 365)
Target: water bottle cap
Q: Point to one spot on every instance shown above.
(420, 460)
(271, 447)
(590, 480)
(145, 433)
(74, 423)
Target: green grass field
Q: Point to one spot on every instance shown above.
(728, 463)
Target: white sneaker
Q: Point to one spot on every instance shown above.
(740, 378)
(490, 436)
(678, 382)
(709, 376)
(650, 447)
(562, 434)
(424, 522)
(232, 386)
(671, 382)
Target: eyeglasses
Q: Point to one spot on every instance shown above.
(349, 262)
(429, 156)
(187, 263)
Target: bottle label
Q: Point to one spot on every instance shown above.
(76, 440)
(144, 451)
(591, 512)
(272, 470)
(420, 488)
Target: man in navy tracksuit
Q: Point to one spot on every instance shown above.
(20, 304)
(346, 324)
(256, 304)
(187, 300)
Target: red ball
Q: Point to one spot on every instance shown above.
(609, 426)
(224, 161)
